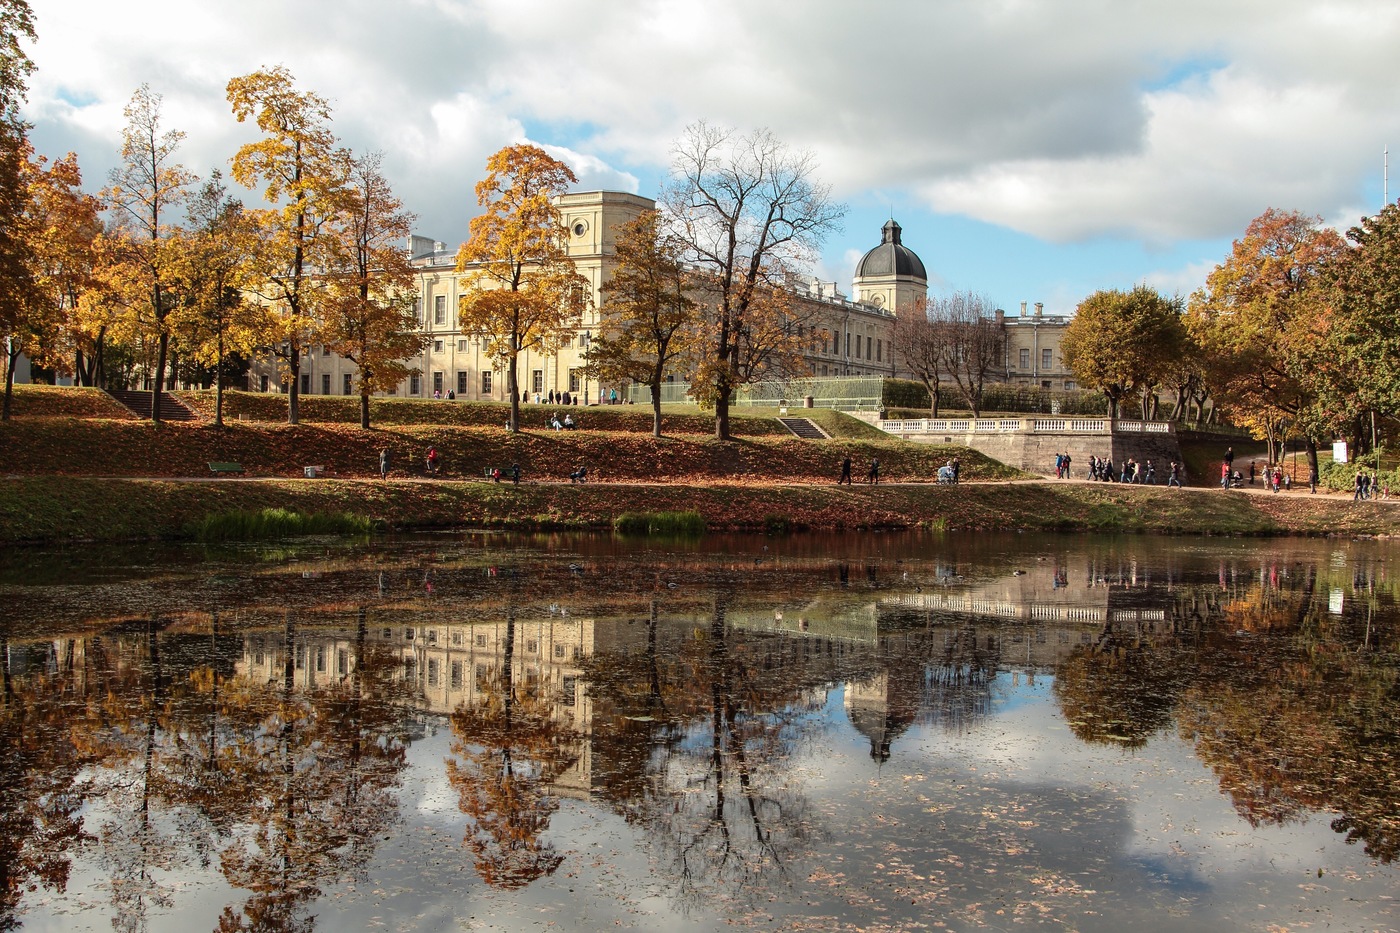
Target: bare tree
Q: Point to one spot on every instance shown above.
(976, 343)
(749, 211)
(919, 343)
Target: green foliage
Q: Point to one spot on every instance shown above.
(1000, 397)
(688, 524)
(1124, 342)
(262, 524)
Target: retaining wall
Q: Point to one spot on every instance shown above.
(1032, 443)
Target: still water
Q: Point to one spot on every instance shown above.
(875, 732)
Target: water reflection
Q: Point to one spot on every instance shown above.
(250, 718)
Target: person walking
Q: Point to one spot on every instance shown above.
(873, 477)
(845, 472)
(384, 463)
(1174, 477)
(1312, 481)
(433, 461)
(1225, 474)
(515, 474)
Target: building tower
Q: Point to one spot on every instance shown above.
(891, 276)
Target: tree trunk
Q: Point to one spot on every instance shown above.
(158, 384)
(11, 357)
(364, 406)
(219, 384)
(1313, 470)
(294, 389)
(656, 409)
(722, 410)
(511, 375)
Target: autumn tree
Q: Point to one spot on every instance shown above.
(16, 24)
(59, 225)
(649, 316)
(301, 174)
(214, 319)
(144, 195)
(920, 343)
(1118, 342)
(369, 309)
(525, 293)
(974, 344)
(1364, 302)
(1260, 321)
(750, 212)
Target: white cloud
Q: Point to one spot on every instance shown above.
(1067, 121)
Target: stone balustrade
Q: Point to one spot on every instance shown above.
(1024, 425)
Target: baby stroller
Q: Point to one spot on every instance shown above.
(579, 476)
(1236, 480)
(945, 476)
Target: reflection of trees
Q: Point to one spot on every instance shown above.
(40, 793)
(712, 722)
(507, 752)
(1112, 693)
(317, 771)
(1305, 723)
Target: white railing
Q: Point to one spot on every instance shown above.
(1017, 425)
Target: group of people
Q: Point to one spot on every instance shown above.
(555, 398)
(451, 394)
(872, 475)
(566, 425)
(1366, 486)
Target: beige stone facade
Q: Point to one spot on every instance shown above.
(844, 336)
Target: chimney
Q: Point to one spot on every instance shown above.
(1023, 309)
(1039, 307)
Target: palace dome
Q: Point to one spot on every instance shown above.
(891, 258)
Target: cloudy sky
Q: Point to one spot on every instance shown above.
(1032, 151)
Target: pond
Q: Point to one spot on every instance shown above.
(863, 732)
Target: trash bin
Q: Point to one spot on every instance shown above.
(807, 402)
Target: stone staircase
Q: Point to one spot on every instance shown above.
(171, 408)
(804, 427)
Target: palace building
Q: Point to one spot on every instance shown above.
(846, 336)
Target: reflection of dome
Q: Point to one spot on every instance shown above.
(880, 728)
(891, 257)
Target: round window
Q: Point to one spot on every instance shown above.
(580, 228)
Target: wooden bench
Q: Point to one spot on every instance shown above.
(225, 467)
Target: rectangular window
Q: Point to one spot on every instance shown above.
(408, 634)
(570, 690)
(320, 660)
(1069, 386)
(388, 633)
(573, 380)
(486, 383)
(1025, 358)
(481, 677)
(462, 345)
(418, 311)
(325, 383)
(461, 382)
(432, 672)
(532, 646)
(348, 386)
(432, 636)
(824, 345)
(457, 638)
(301, 657)
(415, 384)
(537, 380)
(437, 385)
(1045, 359)
(305, 383)
(848, 343)
(439, 309)
(869, 343)
(437, 346)
(558, 651)
(879, 350)
(456, 675)
(262, 383)
(481, 640)
(342, 661)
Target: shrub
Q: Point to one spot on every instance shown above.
(261, 525)
(659, 523)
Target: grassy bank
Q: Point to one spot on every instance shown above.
(69, 508)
